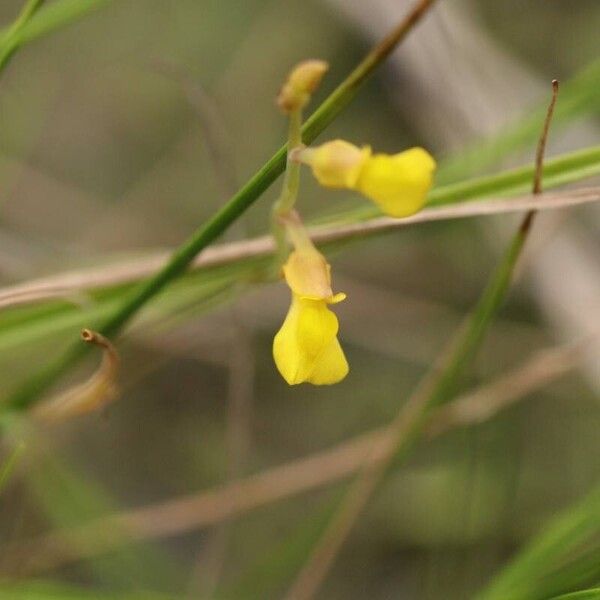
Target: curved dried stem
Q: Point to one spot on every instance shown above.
(95, 393)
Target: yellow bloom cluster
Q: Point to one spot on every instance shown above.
(397, 183)
(306, 348)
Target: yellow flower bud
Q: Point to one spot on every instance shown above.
(336, 164)
(301, 83)
(398, 184)
(306, 348)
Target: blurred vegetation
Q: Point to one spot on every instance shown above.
(103, 158)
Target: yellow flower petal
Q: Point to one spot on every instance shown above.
(335, 164)
(316, 326)
(331, 367)
(398, 183)
(306, 349)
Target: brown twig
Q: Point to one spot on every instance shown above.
(541, 147)
(129, 271)
(539, 159)
(96, 392)
(482, 404)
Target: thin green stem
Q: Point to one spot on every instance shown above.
(32, 24)
(223, 218)
(10, 40)
(291, 181)
(26, 13)
(289, 191)
(54, 16)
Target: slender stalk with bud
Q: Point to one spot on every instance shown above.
(306, 348)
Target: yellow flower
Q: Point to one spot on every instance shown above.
(397, 183)
(306, 348)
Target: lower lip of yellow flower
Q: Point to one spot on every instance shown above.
(306, 348)
(398, 184)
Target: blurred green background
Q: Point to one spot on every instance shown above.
(105, 155)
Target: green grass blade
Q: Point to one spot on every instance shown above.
(580, 97)
(528, 574)
(29, 9)
(9, 41)
(35, 22)
(56, 15)
(591, 594)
